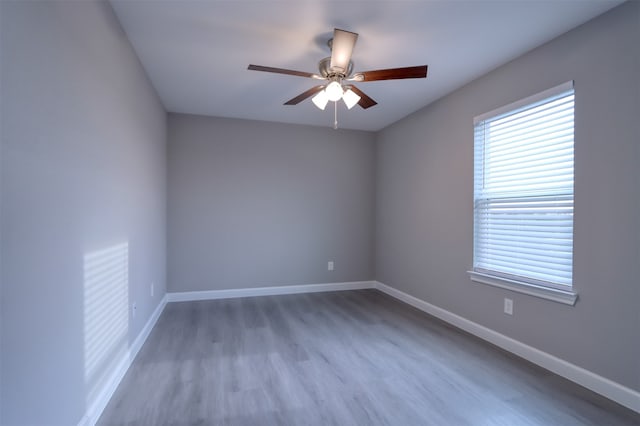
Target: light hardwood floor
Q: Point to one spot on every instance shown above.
(340, 358)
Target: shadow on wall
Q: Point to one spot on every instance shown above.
(106, 314)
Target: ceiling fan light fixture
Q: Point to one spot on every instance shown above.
(334, 91)
(320, 100)
(336, 70)
(350, 98)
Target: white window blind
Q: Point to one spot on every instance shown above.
(523, 193)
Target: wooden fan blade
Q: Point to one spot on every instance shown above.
(392, 74)
(341, 49)
(365, 101)
(302, 96)
(281, 71)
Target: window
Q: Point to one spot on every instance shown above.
(523, 196)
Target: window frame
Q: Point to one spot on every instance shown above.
(558, 293)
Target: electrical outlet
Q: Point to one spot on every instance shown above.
(508, 306)
(330, 265)
(134, 308)
(152, 289)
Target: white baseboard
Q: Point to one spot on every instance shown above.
(97, 406)
(601, 385)
(188, 296)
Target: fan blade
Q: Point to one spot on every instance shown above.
(282, 71)
(365, 101)
(341, 49)
(391, 74)
(301, 97)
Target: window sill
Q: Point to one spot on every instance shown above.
(560, 296)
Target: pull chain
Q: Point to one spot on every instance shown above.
(335, 116)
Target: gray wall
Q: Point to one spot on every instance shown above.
(83, 205)
(425, 199)
(263, 204)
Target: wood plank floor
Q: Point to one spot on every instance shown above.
(340, 358)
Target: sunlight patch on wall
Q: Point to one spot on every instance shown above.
(106, 312)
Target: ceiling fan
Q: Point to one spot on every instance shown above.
(337, 72)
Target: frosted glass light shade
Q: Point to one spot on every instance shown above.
(334, 91)
(321, 99)
(350, 98)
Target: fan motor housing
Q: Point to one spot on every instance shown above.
(324, 66)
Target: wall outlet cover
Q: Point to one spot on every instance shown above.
(508, 306)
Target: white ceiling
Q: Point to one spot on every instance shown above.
(196, 52)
